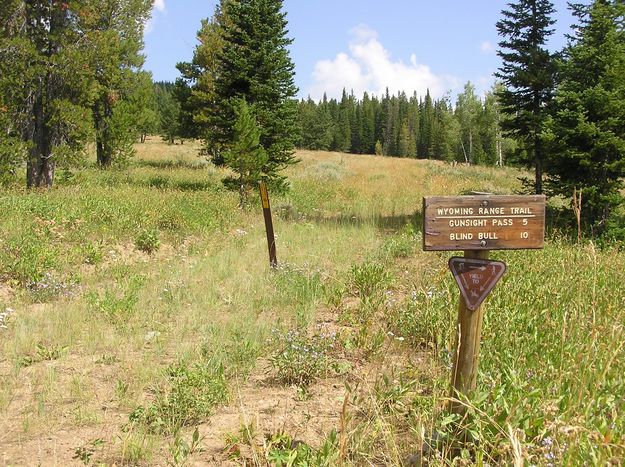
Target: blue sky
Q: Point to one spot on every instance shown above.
(364, 45)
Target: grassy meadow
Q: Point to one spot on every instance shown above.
(140, 324)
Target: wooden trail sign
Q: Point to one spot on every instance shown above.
(271, 241)
(477, 224)
(476, 278)
(483, 222)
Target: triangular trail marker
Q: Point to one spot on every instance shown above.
(476, 278)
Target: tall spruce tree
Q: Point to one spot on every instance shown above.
(254, 64)
(245, 154)
(343, 138)
(587, 131)
(445, 131)
(426, 111)
(528, 76)
(367, 140)
(199, 76)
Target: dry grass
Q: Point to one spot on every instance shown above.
(154, 149)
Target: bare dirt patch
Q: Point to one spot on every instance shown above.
(6, 294)
(59, 417)
(265, 407)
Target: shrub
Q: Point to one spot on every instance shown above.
(301, 359)
(116, 306)
(369, 279)
(403, 244)
(148, 241)
(28, 258)
(189, 395)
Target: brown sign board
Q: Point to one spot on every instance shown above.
(476, 278)
(483, 222)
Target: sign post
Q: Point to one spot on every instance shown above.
(271, 241)
(477, 224)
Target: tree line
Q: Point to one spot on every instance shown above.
(560, 114)
(402, 126)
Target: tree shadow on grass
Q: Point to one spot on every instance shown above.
(388, 223)
(166, 183)
(172, 164)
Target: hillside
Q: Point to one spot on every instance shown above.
(139, 309)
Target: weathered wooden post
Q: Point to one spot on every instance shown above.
(271, 241)
(477, 224)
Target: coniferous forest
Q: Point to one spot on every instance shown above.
(467, 131)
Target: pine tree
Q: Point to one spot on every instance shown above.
(168, 111)
(254, 64)
(78, 54)
(143, 100)
(183, 93)
(46, 83)
(587, 131)
(315, 125)
(324, 126)
(391, 127)
(199, 104)
(426, 112)
(404, 140)
(15, 78)
(367, 140)
(344, 128)
(116, 37)
(445, 131)
(528, 74)
(413, 122)
(378, 148)
(245, 155)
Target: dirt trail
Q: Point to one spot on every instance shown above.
(270, 408)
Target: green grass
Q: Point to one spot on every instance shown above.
(552, 358)
(77, 223)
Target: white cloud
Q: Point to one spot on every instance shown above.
(487, 47)
(369, 67)
(484, 84)
(149, 26)
(159, 5)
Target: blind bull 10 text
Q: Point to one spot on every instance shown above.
(484, 222)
